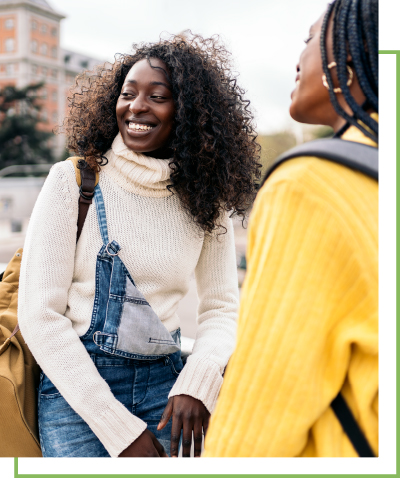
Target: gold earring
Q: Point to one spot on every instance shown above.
(349, 81)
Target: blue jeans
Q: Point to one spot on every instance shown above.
(141, 386)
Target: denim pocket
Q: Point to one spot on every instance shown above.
(176, 368)
(47, 390)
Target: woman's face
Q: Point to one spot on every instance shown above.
(310, 99)
(145, 109)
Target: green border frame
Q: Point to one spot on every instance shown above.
(128, 476)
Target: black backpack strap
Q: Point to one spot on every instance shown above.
(357, 156)
(350, 427)
(86, 193)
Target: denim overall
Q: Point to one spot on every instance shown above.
(132, 350)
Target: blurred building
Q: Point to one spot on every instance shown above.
(30, 52)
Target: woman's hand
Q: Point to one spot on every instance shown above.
(188, 414)
(146, 445)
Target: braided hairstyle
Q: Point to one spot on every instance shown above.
(213, 147)
(355, 31)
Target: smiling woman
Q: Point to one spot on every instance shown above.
(212, 146)
(173, 140)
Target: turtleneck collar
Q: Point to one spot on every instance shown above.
(135, 172)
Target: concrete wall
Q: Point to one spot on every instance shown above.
(17, 199)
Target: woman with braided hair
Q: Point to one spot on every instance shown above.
(172, 138)
(308, 319)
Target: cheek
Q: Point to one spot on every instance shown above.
(169, 117)
(119, 110)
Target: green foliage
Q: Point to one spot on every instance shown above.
(274, 145)
(323, 132)
(65, 154)
(21, 142)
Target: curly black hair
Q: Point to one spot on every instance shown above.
(215, 155)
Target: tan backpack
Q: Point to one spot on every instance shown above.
(19, 372)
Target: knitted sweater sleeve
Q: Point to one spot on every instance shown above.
(217, 287)
(46, 275)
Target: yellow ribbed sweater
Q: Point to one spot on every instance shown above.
(308, 321)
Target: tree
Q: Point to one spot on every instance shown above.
(21, 141)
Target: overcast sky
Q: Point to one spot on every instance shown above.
(264, 36)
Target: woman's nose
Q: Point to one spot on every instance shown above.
(138, 104)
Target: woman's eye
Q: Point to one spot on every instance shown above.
(126, 94)
(158, 97)
(307, 39)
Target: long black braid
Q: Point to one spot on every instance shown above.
(355, 31)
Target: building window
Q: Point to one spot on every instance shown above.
(43, 49)
(54, 96)
(34, 25)
(54, 32)
(54, 52)
(9, 24)
(67, 58)
(10, 45)
(34, 46)
(43, 29)
(84, 63)
(44, 71)
(54, 73)
(34, 69)
(10, 69)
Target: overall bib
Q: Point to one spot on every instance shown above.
(132, 350)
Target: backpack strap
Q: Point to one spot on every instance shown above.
(357, 156)
(351, 427)
(87, 180)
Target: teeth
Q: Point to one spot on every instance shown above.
(139, 127)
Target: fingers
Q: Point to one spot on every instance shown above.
(175, 434)
(187, 438)
(166, 414)
(143, 446)
(198, 438)
(158, 446)
(205, 424)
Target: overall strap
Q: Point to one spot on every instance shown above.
(101, 214)
(357, 156)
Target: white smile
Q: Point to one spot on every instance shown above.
(139, 127)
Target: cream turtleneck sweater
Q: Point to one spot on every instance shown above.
(161, 249)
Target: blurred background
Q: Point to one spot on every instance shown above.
(44, 45)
